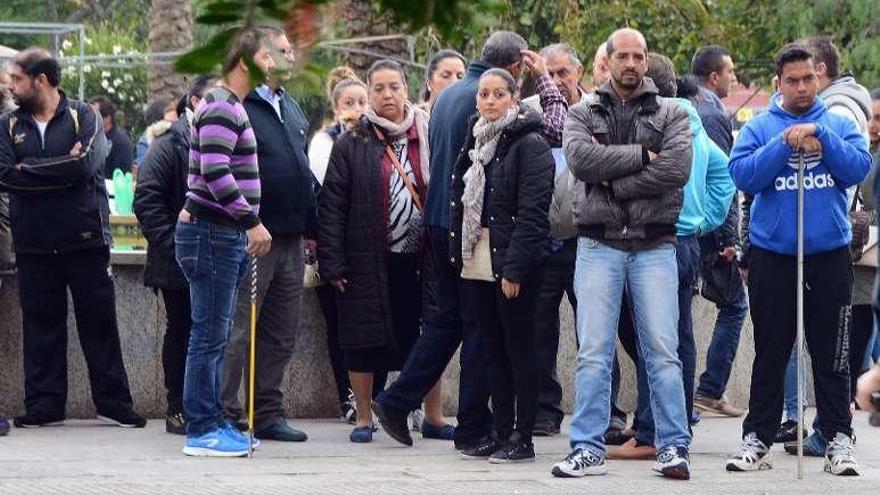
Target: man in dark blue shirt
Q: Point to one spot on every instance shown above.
(445, 330)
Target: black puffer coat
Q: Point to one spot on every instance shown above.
(519, 186)
(353, 233)
(158, 199)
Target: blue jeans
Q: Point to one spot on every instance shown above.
(651, 278)
(790, 405)
(213, 259)
(442, 334)
(687, 254)
(725, 340)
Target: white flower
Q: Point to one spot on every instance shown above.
(88, 41)
(117, 49)
(60, 53)
(117, 82)
(66, 44)
(105, 83)
(111, 90)
(127, 77)
(105, 74)
(87, 68)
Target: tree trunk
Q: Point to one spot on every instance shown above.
(361, 20)
(171, 30)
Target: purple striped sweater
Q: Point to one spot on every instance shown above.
(224, 179)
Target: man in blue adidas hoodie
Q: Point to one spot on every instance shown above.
(764, 163)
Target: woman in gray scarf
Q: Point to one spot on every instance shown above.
(501, 189)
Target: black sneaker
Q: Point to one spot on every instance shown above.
(124, 419)
(481, 451)
(394, 424)
(175, 424)
(37, 420)
(673, 462)
(514, 453)
(788, 432)
(545, 429)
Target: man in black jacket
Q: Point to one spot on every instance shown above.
(158, 199)
(288, 209)
(121, 152)
(714, 70)
(51, 155)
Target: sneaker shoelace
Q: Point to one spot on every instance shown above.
(582, 458)
(751, 447)
(842, 449)
(667, 455)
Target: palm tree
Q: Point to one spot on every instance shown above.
(171, 30)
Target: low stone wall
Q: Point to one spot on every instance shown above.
(309, 386)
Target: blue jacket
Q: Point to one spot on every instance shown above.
(448, 130)
(709, 189)
(763, 165)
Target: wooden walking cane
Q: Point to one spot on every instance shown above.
(800, 314)
(253, 355)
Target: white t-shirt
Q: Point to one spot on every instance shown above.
(42, 127)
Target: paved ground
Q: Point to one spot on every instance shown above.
(85, 457)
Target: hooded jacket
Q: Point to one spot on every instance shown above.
(519, 185)
(709, 191)
(763, 165)
(627, 200)
(844, 96)
(58, 201)
(158, 199)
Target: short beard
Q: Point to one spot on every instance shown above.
(30, 105)
(626, 85)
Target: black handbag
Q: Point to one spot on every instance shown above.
(719, 279)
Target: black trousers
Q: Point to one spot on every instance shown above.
(828, 282)
(508, 330)
(43, 281)
(557, 281)
(178, 321)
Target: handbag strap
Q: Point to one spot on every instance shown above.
(401, 172)
(856, 198)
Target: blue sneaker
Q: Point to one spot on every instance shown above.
(445, 432)
(214, 444)
(232, 432)
(4, 426)
(361, 434)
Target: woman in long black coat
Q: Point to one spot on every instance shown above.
(369, 233)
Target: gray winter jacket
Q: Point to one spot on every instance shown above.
(627, 200)
(844, 96)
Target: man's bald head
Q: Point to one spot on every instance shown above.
(600, 66)
(622, 34)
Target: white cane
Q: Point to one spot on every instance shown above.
(800, 314)
(253, 353)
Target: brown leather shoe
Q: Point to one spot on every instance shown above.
(632, 450)
(718, 406)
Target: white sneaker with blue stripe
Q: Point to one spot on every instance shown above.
(215, 443)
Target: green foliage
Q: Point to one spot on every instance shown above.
(124, 81)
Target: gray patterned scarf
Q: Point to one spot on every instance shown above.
(487, 135)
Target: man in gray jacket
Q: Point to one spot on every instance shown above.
(632, 151)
